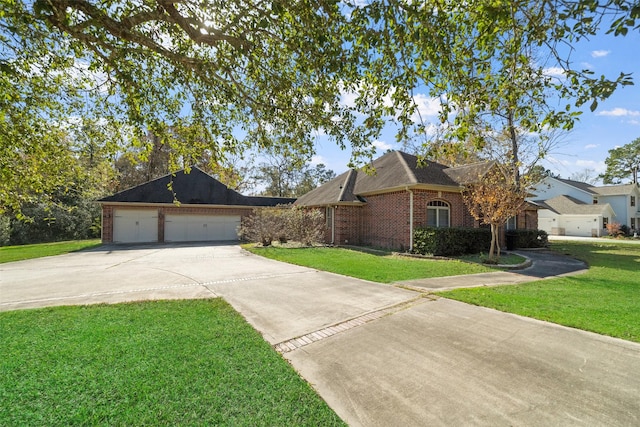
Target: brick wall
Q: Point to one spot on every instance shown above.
(384, 220)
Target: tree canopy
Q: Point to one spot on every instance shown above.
(235, 75)
(623, 163)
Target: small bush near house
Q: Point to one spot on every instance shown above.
(451, 241)
(265, 225)
(615, 229)
(530, 238)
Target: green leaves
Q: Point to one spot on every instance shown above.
(623, 163)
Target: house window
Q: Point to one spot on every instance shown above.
(595, 200)
(633, 223)
(437, 214)
(512, 223)
(329, 216)
(633, 200)
(605, 222)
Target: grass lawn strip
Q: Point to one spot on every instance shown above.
(606, 299)
(19, 253)
(152, 363)
(367, 266)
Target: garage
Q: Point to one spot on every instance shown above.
(579, 226)
(180, 207)
(135, 226)
(198, 228)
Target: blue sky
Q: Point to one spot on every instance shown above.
(615, 122)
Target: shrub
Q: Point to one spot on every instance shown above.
(51, 223)
(305, 225)
(615, 229)
(451, 241)
(5, 230)
(530, 238)
(265, 225)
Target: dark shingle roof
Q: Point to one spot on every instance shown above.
(395, 169)
(578, 184)
(196, 187)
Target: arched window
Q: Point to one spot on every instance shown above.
(438, 214)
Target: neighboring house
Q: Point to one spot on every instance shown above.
(178, 208)
(624, 200)
(574, 208)
(384, 208)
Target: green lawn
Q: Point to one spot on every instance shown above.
(152, 363)
(18, 253)
(606, 299)
(377, 268)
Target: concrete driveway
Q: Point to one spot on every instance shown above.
(280, 300)
(379, 355)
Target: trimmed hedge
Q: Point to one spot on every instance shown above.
(530, 238)
(451, 241)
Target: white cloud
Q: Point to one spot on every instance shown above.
(586, 65)
(590, 146)
(554, 72)
(426, 105)
(619, 112)
(317, 159)
(600, 53)
(381, 145)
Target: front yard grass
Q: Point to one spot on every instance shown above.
(376, 268)
(605, 300)
(22, 252)
(151, 363)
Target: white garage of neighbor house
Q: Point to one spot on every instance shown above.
(206, 210)
(566, 216)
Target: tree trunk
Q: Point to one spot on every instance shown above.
(493, 242)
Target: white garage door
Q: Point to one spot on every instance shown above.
(199, 228)
(135, 226)
(580, 226)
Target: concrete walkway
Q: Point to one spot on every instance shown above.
(544, 264)
(379, 355)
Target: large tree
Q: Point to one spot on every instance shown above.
(623, 163)
(241, 73)
(500, 69)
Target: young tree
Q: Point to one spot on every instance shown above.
(494, 199)
(623, 162)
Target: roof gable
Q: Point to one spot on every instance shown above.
(196, 187)
(393, 170)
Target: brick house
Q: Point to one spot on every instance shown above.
(384, 208)
(178, 208)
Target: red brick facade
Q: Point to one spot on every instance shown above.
(109, 210)
(384, 221)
